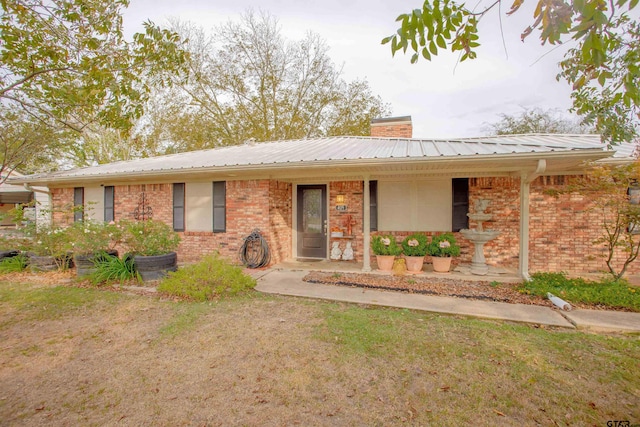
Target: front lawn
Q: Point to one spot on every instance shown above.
(93, 357)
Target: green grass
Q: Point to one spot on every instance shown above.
(14, 264)
(614, 294)
(471, 363)
(212, 277)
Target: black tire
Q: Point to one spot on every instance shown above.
(155, 267)
(86, 264)
(8, 254)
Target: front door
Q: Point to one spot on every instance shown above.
(312, 221)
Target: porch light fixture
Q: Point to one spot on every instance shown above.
(340, 200)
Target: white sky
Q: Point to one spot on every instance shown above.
(442, 102)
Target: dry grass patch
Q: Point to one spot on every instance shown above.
(257, 360)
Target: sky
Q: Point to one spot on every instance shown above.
(444, 98)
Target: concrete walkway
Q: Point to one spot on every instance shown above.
(289, 282)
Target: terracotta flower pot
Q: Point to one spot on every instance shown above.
(414, 264)
(441, 264)
(385, 262)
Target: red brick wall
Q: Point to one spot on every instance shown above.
(504, 194)
(62, 203)
(280, 220)
(353, 192)
(257, 204)
(562, 228)
(159, 197)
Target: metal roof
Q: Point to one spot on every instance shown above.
(342, 149)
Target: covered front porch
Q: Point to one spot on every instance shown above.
(460, 272)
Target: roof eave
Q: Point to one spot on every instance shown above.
(271, 168)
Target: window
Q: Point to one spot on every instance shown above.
(459, 218)
(78, 203)
(373, 205)
(109, 198)
(219, 206)
(178, 207)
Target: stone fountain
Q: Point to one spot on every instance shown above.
(479, 237)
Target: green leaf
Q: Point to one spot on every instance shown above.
(387, 39)
(433, 48)
(425, 54)
(414, 58)
(440, 41)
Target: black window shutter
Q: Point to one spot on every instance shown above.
(78, 203)
(460, 209)
(373, 205)
(109, 198)
(219, 206)
(178, 207)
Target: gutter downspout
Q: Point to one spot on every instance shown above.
(525, 184)
(366, 225)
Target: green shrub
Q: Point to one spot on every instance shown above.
(210, 278)
(113, 269)
(415, 245)
(607, 292)
(14, 264)
(443, 245)
(385, 245)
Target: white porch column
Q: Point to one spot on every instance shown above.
(525, 186)
(366, 225)
(523, 258)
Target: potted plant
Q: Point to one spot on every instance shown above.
(441, 249)
(152, 245)
(414, 248)
(385, 248)
(92, 241)
(50, 249)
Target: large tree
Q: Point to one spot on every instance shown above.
(536, 120)
(602, 67)
(248, 82)
(65, 64)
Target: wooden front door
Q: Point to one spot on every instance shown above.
(312, 221)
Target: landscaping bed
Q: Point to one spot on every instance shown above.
(513, 293)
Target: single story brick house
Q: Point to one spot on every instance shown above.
(295, 192)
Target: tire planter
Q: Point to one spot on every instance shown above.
(8, 254)
(414, 264)
(85, 264)
(155, 267)
(441, 264)
(38, 263)
(385, 262)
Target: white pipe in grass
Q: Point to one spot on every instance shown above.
(559, 302)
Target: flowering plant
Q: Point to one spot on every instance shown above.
(385, 245)
(51, 241)
(415, 245)
(149, 237)
(89, 237)
(443, 245)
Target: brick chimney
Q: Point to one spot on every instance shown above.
(392, 127)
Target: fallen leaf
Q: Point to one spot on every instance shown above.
(499, 413)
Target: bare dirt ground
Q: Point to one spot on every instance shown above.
(73, 356)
